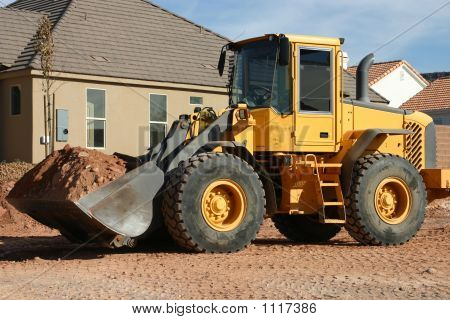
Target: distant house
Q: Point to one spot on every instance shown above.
(433, 100)
(397, 81)
(432, 76)
(124, 70)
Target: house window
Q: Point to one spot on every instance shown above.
(15, 101)
(316, 80)
(158, 118)
(438, 121)
(96, 118)
(196, 101)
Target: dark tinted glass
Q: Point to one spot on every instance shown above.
(315, 80)
(158, 108)
(15, 101)
(157, 133)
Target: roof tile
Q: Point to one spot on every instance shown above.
(139, 39)
(17, 27)
(379, 70)
(434, 97)
(350, 89)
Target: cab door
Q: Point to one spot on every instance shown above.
(314, 107)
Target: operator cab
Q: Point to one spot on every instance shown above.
(289, 84)
(261, 75)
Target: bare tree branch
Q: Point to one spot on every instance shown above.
(46, 49)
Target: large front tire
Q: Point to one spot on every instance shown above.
(215, 202)
(387, 201)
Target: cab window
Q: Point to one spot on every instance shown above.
(315, 77)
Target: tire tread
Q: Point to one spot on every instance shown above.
(172, 205)
(354, 224)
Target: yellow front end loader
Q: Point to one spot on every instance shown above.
(292, 146)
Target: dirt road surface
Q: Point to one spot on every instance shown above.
(37, 263)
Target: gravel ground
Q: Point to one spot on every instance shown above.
(37, 263)
(40, 265)
(13, 170)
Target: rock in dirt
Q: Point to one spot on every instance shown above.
(430, 271)
(69, 174)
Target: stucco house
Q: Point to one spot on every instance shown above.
(397, 81)
(124, 71)
(434, 100)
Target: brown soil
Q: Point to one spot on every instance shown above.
(37, 263)
(13, 171)
(440, 207)
(69, 174)
(11, 220)
(41, 266)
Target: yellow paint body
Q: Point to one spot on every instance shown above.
(300, 132)
(294, 135)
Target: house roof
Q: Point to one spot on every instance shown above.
(133, 39)
(54, 9)
(350, 89)
(379, 70)
(434, 97)
(17, 27)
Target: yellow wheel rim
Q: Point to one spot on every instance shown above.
(393, 200)
(224, 205)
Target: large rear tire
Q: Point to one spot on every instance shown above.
(387, 201)
(305, 228)
(214, 202)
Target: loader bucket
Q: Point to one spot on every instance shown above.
(124, 207)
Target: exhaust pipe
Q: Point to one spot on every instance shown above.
(362, 78)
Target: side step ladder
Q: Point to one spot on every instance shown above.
(329, 186)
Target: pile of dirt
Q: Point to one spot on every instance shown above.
(69, 174)
(13, 171)
(11, 220)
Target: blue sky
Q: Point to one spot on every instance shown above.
(365, 24)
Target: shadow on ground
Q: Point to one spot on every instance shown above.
(281, 242)
(59, 248)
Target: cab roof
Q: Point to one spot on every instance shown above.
(298, 39)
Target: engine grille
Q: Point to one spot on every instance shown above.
(415, 144)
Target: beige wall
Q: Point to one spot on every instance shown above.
(16, 131)
(127, 112)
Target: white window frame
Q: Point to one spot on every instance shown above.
(10, 100)
(94, 118)
(150, 122)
